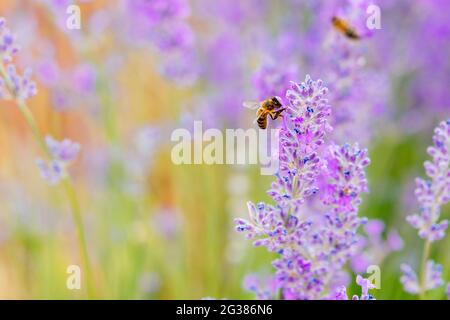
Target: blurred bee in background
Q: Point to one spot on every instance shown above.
(343, 27)
(270, 107)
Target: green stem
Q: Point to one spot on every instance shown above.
(76, 213)
(68, 186)
(423, 276)
(26, 113)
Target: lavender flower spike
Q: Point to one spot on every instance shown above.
(301, 137)
(410, 281)
(365, 285)
(12, 84)
(52, 172)
(63, 153)
(313, 247)
(7, 45)
(21, 86)
(340, 293)
(433, 193)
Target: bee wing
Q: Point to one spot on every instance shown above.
(253, 105)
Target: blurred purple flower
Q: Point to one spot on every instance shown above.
(410, 281)
(433, 193)
(84, 78)
(175, 36)
(157, 11)
(51, 171)
(341, 292)
(47, 72)
(271, 80)
(62, 153)
(394, 241)
(234, 13)
(263, 288)
(374, 228)
(8, 48)
(181, 67)
(373, 248)
(14, 85)
(358, 91)
(365, 285)
(163, 24)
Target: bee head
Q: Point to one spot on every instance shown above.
(277, 101)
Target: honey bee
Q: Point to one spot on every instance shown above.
(343, 27)
(270, 107)
(346, 191)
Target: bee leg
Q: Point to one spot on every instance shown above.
(276, 114)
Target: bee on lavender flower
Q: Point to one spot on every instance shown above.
(270, 107)
(343, 27)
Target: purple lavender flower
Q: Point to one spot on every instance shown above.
(313, 246)
(263, 288)
(180, 67)
(430, 65)
(12, 84)
(348, 181)
(163, 24)
(410, 281)
(394, 241)
(51, 171)
(341, 292)
(84, 78)
(301, 136)
(344, 183)
(68, 87)
(365, 285)
(175, 36)
(270, 81)
(156, 11)
(433, 193)
(22, 86)
(7, 46)
(47, 72)
(373, 248)
(63, 153)
(353, 82)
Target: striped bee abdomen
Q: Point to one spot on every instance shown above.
(262, 121)
(261, 115)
